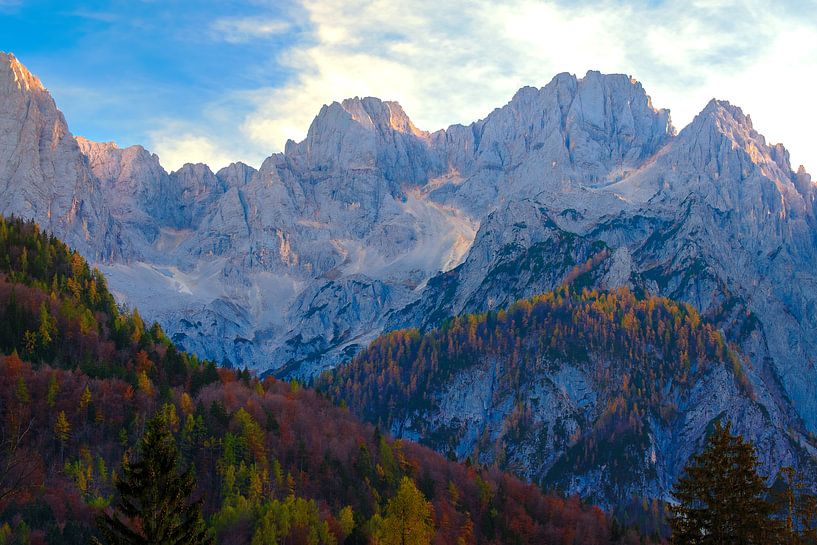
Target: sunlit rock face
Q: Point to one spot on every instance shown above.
(43, 175)
(371, 223)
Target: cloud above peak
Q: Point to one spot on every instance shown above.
(233, 81)
(246, 29)
(455, 61)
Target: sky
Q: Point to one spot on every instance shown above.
(222, 81)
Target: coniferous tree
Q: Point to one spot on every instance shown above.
(154, 506)
(721, 498)
(797, 507)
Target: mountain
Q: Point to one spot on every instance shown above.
(79, 379)
(43, 174)
(296, 266)
(715, 190)
(602, 394)
(371, 225)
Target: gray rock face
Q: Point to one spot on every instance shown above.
(371, 223)
(43, 175)
(716, 219)
(573, 131)
(565, 410)
(131, 181)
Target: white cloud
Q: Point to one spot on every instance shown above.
(176, 147)
(245, 29)
(454, 61)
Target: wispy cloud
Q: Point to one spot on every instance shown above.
(9, 5)
(102, 16)
(246, 29)
(449, 62)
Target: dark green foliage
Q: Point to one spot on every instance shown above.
(154, 506)
(56, 310)
(721, 498)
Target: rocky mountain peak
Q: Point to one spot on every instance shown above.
(362, 115)
(11, 69)
(576, 131)
(722, 140)
(110, 163)
(724, 116)
(190, 170)
(236, 174)
(43, 176)
(383, 115)
(364, 134)
(88, 146)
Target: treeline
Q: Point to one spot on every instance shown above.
(263, 451)
(274, 462)
(56, 310)
(650, 343)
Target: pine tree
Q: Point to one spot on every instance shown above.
(85, 398)
(797, 507)
(721, 497)
(46, 329)
(154, 506)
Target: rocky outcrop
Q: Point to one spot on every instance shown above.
(43, 175)
(586, 131)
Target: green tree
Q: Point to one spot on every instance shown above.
(797, 507)
(85, 398)
(154, 506)
(62, 431)
(21, 392)
(721, 497)
(408, 518)
(53, 390)
(292, 520)
(47, 328)
(346, 520)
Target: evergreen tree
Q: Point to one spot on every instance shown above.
(154, 506)
(797, 507)
(721, 497)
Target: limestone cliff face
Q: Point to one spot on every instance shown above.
(43, 175)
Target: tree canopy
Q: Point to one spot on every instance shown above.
(722, 500)
(154, 506)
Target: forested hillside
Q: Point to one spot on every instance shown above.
(274, 462)
(604, 394)
(398, 372)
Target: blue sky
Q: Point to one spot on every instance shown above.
(120, 70)
(221, 81)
